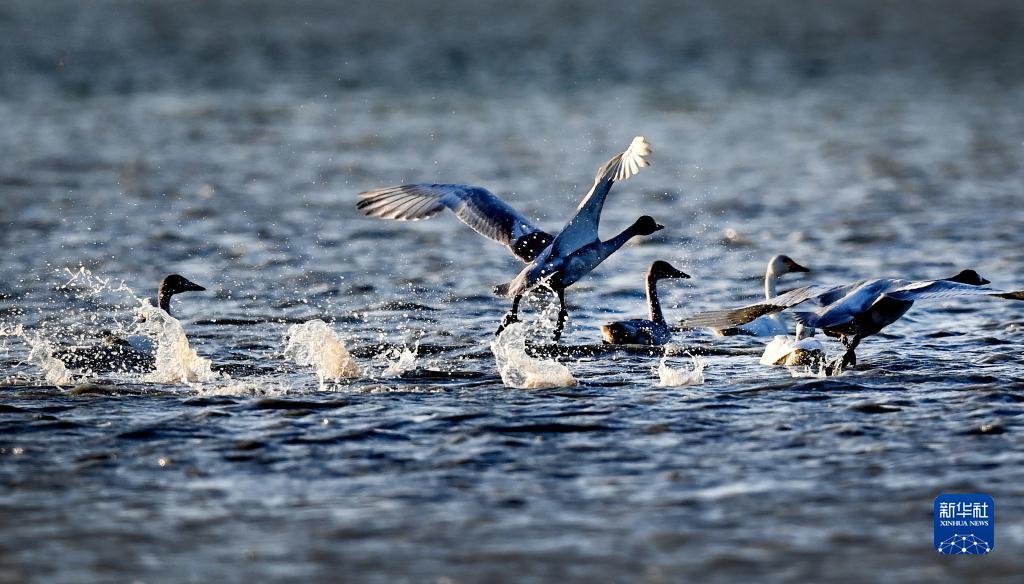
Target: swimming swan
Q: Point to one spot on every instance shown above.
(637, 331)
(135, 352)
(773, 324)
(790, 351)
(855, 311)
(555, 262)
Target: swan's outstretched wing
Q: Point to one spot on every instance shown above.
(581, 230)
(477, 207)
(731, 317)
(946, 289)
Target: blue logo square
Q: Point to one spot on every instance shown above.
(965, 524)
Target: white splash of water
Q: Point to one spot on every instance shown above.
(820, 369)
(315, 344)
(175, 360)
(249, 388)
(519, 370)
(678, 377)
(41, 355)
(406, 362)
(85, 281)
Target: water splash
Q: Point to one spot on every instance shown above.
(175, 359)
(87, 283)
(820, 369)
(41, 355)
(678, 377)
(315, 344)
(406, 362)
(520, 370)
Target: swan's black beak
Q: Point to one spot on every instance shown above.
(658, 226)
(680, 274)
(190, 286)
(795, 267)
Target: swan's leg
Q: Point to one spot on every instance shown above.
(850, 358)
(562, 313)
(511, 317)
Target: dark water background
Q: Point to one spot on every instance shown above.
(226, 141)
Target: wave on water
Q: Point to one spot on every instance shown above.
(520, 370)
(678, 377)
(315, 344)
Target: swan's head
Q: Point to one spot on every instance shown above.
(783, 264)
(174, 284)
(646, 225)
(969, 277)
(661, 269)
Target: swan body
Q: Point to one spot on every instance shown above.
(854, 311)
(554, 261)
(788, 351)
(653, 330)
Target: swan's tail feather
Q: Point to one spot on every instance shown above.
(502, 289)
(628, 163)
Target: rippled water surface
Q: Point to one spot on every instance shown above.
(188, 139)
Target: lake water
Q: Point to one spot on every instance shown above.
(227, 142)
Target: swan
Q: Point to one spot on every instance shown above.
(790, 351)
(854, 311)
(135, 352)
(554, 261)
(773, 324)
(653, 331)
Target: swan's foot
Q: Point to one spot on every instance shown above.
(849, 359)
(505, 322)
(511, 317)
(563, 314)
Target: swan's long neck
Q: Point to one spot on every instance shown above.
(612, 245)
(163, 300)
(770, 279)
(653, 304)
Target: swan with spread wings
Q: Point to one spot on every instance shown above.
(854, 311)
(554, 261)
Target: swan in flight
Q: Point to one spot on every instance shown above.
(653, 331)
(554, 262)
(770, 325)
(854, 311)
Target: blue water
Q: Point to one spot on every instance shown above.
(862, 140)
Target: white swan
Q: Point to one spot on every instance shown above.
(854, 311)
(554, 262)
(773, 324)
(790, 351)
